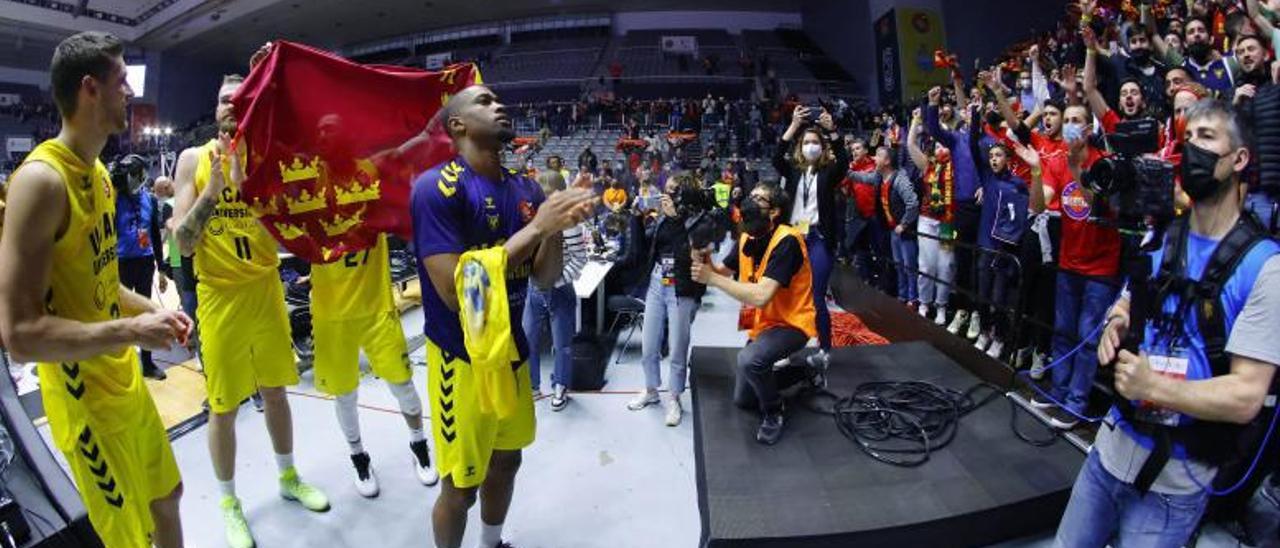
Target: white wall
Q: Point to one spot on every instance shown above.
(732, 21)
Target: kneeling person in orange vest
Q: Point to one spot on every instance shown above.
(770, 275)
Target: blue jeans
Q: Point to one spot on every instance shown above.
(662, 306)
(556, 305)
(820, 262)
(906, 252)
(1105, 510)
(1080, 305)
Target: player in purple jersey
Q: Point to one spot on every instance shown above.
(472, 202)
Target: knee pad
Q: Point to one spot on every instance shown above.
(410, 403)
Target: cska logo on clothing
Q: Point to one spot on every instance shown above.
(1074, 203)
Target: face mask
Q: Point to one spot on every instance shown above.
(1141, 56)
(1198, 50)
(1072, 132)
(811, 151)
(755, 219)
(1198, 166)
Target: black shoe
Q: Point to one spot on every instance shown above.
(151, 371)
(770, 429)
(505, 544)
(1062, 420)
(1042, 402)
(420, 452)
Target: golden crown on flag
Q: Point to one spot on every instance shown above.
(342, 224)
(288, 231)
(305, 202)
(300, 171)
(264, 207)
(359, 193)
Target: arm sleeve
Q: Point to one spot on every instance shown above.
(731, 260)
(902, 185)
(1039, 86)
(575, 253)
(157, 245)
(785, 261)
(934, 128)
(1253, 334)
(436, 208)
(780, 163)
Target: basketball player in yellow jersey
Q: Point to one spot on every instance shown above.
(352, 309)
(61, 304)
(244, 329)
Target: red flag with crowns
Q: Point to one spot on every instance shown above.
(333, 146)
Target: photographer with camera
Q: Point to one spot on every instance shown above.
(673, 296)
(769, 273)
(139, 244)
(813, 165)
(1207, 359)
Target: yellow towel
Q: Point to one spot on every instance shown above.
(481, 282)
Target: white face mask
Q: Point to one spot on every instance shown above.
(811, 151)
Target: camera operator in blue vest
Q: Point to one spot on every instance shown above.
(1207, 359)
(139, 245)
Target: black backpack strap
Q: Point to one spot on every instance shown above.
(1210, 316)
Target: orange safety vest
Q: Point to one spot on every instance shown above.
(792, 305)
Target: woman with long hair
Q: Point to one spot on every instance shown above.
(813, 169)
(672, 298)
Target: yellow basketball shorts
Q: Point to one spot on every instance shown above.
(121, 474)
(338, 344)
(244, 340)
(465, 438)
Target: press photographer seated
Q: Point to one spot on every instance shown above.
(769, 273)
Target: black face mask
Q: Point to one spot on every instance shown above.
(755, 219)
(1198, 166)
(1141, 56)
(1199, 51)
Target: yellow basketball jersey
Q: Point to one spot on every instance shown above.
(355, 286)
(84, 286)
(235, 247)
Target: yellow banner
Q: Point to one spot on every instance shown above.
(920, 33)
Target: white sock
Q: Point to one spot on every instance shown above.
(490, 535)
(284, 462)
(228, 488)
(416, 435)
(349, 420)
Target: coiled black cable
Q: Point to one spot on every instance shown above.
(903, 423)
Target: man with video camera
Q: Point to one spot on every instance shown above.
(1205, 366)
(769, 273)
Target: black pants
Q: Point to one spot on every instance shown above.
(968, 214)
(137, 274)
(1039, 288)
(756, 383)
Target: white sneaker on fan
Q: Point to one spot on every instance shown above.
(975, 326)
(996, 348)
(940, 316)
(958, 322)
(923, 310)
(983, 341)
